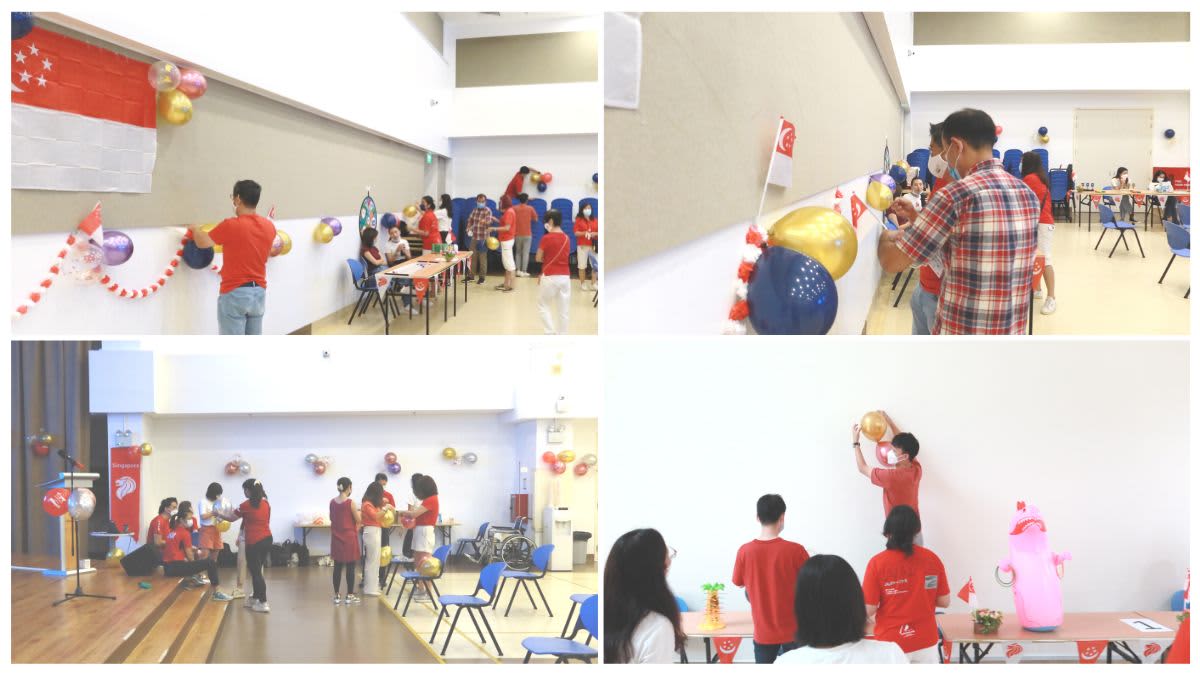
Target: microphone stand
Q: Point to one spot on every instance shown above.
(78, 592)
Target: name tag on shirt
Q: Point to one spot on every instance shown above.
(931, 582)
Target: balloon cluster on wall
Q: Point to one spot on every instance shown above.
(79, 503)
(392, 462)
(177, 88)
(557, 463)
(1043, 135)
(319, 464)
(327, 229)
(40, 442)
(874, 426)
(452, 455)
(238, 465)
(541, 179)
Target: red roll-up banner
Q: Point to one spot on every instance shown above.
(125, 488)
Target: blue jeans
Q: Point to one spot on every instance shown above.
(924, 309)
(768, 653)
(240, 311)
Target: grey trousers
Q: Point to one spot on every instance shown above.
(521, 252)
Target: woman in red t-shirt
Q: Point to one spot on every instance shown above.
(344, 523)
(373, 507)
(255, 514)
(428, 225)
(1034, 175)
(179, 557)
(904, 586)
(554, 292)
(506, 233)
(587, 238)
(426, 515)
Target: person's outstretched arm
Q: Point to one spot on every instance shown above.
(201, 237)
(891, 424)
(855, 433)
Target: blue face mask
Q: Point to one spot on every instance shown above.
(954, 174)
(481, 205)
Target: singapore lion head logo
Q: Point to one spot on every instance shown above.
(125, 486)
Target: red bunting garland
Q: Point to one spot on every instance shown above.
(740, 311)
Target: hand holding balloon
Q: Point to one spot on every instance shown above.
(904, 209)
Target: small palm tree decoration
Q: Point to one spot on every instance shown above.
(712, 607)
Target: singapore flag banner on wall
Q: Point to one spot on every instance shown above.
(125, 489)
(83, 117)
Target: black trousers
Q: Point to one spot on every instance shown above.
(186, 568)
(256, 557)
(337, 577)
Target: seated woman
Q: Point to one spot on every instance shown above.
(370, 255)
(1169, 209)
(831, 618)
(179, 559)
(641, 616)
(1121, 182)
(906, 619)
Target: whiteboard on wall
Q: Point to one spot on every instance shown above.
(1109, 138)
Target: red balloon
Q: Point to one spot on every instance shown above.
(390, 458)
(581, 469)
(319, 468)
(54, 502)
(549, 457)
(41, 449)
(547, 177)
(408, 522)
(881, 451)
(559, 467)
(231, 468)
(999, 129)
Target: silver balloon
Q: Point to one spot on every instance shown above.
(310, 458)
(470, 458)
(244, 467)
(81, 503)
(589, 459)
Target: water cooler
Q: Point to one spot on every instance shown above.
(556, 529)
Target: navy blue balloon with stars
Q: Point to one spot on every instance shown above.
(791, 294)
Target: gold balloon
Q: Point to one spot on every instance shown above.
(323, 233)
(879, 196)
(534, 177)
(287, 242)
(566, 456)
(873, 425)
(146, 449)
(175, 107)
(411, 211)
(430, 567)
(449, 453)
(493, 243)
(217, 248)
(385, 556)
(1045, 138)
(387, 518)
(819, 233)
(222, 526)
(114, 556)
(902, 164)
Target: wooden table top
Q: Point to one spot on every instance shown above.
(736, 623)
(447, 523)
(433, 265)
(1076, 626)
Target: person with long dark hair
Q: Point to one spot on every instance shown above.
(1170, 208)
(831, 618)
(179, 559)
(373, 507)
(587, 237)
(428, 225)
(1120, 181)
(425, 515)
(906, 618)
(1035, 176)
(445, 216)
(385, 533)
(641, 615)
(242, 589)
(344, 523)
(369, 253)
(255, 514)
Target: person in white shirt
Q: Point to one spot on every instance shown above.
(641, 615)
(1121, 182)
(396, 248)
(445, 216)
(831, 618)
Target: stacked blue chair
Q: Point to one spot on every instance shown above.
(539, 226)
(413, 576)
(1060, 184)
(474, 604)
(566, 208)
(1045, 155)
(1179, 238)
(541, 562)
(476, 544)
(592, 202)
(565, 649)
(1012, 162)
(995, 154)
(462, 210)
(1109, 222)
(919, 160)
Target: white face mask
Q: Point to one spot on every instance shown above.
(587, 212)
(937, 166)
(892, 458)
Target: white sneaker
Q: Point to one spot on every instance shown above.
(337, 600)
(522, 274)
(353, 599)
(261, 607)
(237, 593)
(1038, 293)
(1049, 306)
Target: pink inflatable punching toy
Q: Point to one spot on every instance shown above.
(1036, 571)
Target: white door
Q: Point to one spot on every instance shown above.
(1109, 138)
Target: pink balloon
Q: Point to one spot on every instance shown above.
(999, 129)
(559, 467)
(408, 522)
(390, 458)
(1034, 569)
(581, 469)
(319, 468)
(547, 177)
(192, 83)
(881, 451)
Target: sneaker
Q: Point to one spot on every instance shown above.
(337, 600)
(1049, 306)
(480, 282)
(352, 599)
(506, 289)
(237, 593)
(261, 607)
(1038, 293)
(220, 596)
(250, 603)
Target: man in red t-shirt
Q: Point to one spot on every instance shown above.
(156, 534)
(506, 233)
(902, 482)
(516, 184)
(246, 240)
(525, 215)
(554, 286)
(767, 569)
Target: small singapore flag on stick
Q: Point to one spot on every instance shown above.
(780, 170)
(967, 593)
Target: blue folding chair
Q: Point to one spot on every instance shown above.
(1179, 239)
(413, 576)
(541, 562)
(564, 649)
(577, 599)
(365, 287)
(475, 543)
(919, 160)
(995, 154)
(474, 604)
(1060, 186)
(1045, 155)
(1109, 222)
(567, 208)
(1012, 161)
(1185, 215)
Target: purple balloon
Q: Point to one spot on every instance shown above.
(394, 467)
(334, 224)
(118, 247)
(886, 180)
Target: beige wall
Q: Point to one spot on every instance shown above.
(989, 28)
(543, 58)
(307, 165)
(431, 26)
(693, 157)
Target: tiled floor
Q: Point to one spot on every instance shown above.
(1096, 295)
(488, 312)
(522, 622)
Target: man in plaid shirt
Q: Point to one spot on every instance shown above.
(477, 229)
(985, 226)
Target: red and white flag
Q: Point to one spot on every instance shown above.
(1152, 651)
(83, 117)
(780, 170)
(124, 490)
(1090, 651)
(727, 648)
(857, 208)
(1013, 652)
(967, 593)
(381, 283)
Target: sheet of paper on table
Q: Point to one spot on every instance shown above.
(410, 268)
(1146, 625)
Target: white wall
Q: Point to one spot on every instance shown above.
(369, 67)
(487, 164)
(1022, 112)
(635, 301)
(296, 294)
(1014, 421)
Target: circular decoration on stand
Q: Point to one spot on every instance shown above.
(368, 215)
